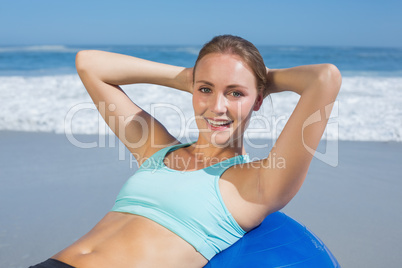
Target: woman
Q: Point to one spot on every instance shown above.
(188, 202)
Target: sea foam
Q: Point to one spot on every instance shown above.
(367, 108)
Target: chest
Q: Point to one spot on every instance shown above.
(171, 191)
(186, 162)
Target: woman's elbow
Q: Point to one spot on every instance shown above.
(329, 80)
(83, 61)
(331, 76)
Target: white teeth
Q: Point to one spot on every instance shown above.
(218, 123)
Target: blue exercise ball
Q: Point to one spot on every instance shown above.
(279, 241)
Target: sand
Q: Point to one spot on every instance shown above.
(53, 192)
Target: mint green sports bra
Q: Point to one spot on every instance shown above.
(188, 203)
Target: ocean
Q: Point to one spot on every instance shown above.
(41, 92)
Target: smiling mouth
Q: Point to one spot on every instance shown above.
(219, 124)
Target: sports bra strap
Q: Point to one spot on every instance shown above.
(156, 160)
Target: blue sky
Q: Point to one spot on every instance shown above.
(263, 22)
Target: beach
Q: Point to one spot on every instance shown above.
(53, 192)
(56, 187)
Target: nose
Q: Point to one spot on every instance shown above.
(218, 105)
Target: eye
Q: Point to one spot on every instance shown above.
(236, 94)
(205, 90)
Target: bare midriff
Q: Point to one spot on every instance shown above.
(127, 240)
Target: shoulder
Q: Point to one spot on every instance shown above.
(244, 175)
(240, 189)
(251, 181)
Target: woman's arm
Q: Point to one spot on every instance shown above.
(318, 86)
(118, 69)
(296, 79)
(103, 72)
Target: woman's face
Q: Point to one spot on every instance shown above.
(224, 96)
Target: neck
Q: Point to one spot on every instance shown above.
(208, 150)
